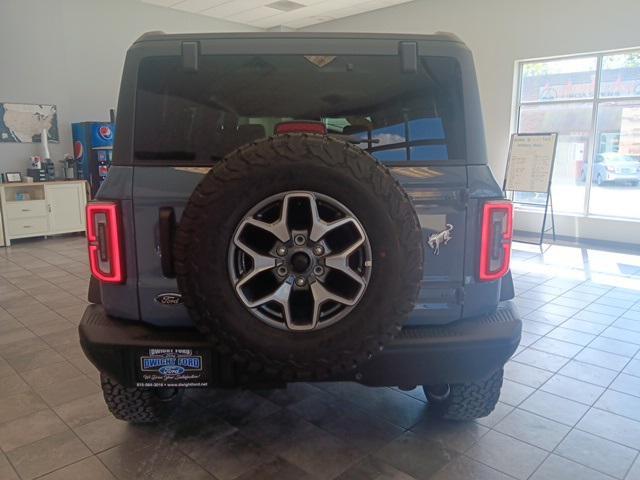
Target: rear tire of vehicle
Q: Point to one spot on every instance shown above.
(309, 163)
(139, 405)
(465, 401)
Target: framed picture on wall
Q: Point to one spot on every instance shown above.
(13, 177)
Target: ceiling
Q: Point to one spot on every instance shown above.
(277, 13)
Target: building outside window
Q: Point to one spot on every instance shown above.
(593, 103)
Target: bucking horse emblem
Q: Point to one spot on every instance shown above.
(441, 238)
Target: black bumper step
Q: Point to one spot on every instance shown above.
(464, 351)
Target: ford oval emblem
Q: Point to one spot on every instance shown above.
(169, 299)
(171, 370)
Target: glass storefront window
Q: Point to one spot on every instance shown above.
(620, 75)
(593, 103)
(558, 80)
(616, 166)
(572, 122)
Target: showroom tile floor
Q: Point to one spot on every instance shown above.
(570, 406)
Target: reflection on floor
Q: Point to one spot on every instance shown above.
(570, 406)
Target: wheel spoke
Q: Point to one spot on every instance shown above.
(261, 263)
(320, 296)
(279, 228)
(279, 295)
(319, 228)
(340, 261)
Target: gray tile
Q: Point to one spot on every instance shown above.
(620, 404)
(89, 468)
(279, 469)
(32, 360)
(499, 412)
(406, 453)
(463, 468)
(558, 468)
(371, 468)
(19, 405)
(622, 334)
(67, 390)
(549, 318)
(395, 407)
(605, 309)
(279, 431)
(337, 455)
(149, 463)
(537, 328)
(526, 374)
(633, 367)
(602, 359)
(626, 384)
(634, 472)
(29, 428)
(12, 384)
(454, 436)
(588, 373)
(532, 429)
(107, 432)
(362, 430)
(615, 346)
(48, 454)
(6, 470)
(540, 359)
(513, 393)
(573, 389)
(627, 324)
(507, 454)
(571, 336)
(47, 375)
(243, 407)
(602, 455)
(612, 427)
(595, 317)
(82, 410)
(557, 347)
(554, 408)
(582, 326)
(292, 393)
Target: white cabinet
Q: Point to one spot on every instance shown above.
(37, 209)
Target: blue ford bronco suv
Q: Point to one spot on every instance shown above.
(299, 207)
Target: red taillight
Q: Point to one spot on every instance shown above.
(105, 243)
(495, 246)
(301, 127)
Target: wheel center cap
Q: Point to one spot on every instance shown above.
(300, 262)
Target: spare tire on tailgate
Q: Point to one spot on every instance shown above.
(300, 255)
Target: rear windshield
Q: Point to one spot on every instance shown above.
(199, 117)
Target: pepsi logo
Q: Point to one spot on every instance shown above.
(78, 150)
(105, 132)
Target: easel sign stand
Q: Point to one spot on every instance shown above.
(530, 170)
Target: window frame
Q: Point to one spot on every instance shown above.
(596, 101)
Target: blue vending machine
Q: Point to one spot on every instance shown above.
(92, 150)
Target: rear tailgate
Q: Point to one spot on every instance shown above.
(440, 197)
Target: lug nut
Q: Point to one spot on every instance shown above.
(299, 240)
(281, 251)
(318, 250)
(282, 271)
(300, 281)
(318, 270)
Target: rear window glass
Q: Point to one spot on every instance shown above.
(231, 100)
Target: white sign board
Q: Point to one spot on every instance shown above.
(530, 163)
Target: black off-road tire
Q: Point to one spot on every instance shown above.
(466, 401)
(269, 167)
(138, 405)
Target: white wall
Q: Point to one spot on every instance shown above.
(70, 53)
(500, 32)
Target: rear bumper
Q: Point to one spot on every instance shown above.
(464, 351)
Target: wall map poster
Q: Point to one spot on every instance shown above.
(23, 122)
